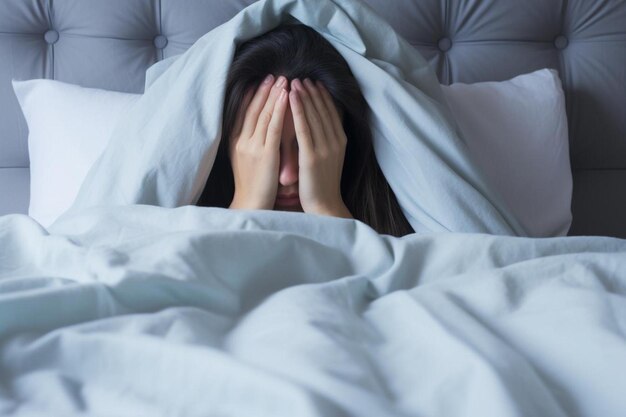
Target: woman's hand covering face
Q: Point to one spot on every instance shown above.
(254, 150)
(322, 143)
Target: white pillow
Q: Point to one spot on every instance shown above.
(69, 127)
(516, 130)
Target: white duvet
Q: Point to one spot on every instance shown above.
(147, 311)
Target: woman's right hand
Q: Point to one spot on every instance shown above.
(254, 147)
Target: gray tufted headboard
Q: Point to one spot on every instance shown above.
(110, 43)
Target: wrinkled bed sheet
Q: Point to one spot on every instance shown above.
(200, 311)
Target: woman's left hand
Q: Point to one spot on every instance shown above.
(322, 142)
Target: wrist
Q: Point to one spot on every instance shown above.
(243, 204)
(338, 210)
(235, 204)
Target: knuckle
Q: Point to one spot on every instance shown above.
(265, 117)
(322, 154)
(255, 144)
(254, 156)
(268, 152)
(310, 162)
(303, 132)
(313, 92)
(273, 130)
(239, 146)
(246, 148)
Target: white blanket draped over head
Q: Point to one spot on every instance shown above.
(162, 151)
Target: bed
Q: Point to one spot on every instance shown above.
(173, 309)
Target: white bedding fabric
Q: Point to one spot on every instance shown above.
(194, 311)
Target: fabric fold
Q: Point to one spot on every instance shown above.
(162, 150)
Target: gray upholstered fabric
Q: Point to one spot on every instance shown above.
(14, 185)
(110, 43)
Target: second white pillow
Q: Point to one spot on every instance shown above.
(516, 131)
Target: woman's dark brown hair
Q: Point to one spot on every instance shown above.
(297, 51)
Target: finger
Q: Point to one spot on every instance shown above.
(241, 113)
(312, 117)
(235, 134)
(322, 111)
(275, 128)
(334, 113)
(303, 133)
(254, 109)
(266, 114)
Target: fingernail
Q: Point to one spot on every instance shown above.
(268, 79)
(280, 82)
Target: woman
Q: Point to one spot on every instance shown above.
(299, 138)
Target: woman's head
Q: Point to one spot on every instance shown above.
(299, 52)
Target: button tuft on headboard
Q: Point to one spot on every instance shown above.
(444, 44)
(160, 41)
(51, 36)
(560, 42)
